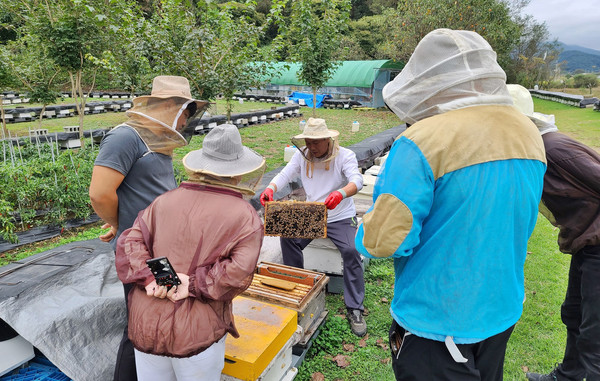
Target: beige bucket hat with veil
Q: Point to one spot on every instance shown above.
(316, 128)
(224, 161)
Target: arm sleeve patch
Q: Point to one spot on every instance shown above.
(386, 226)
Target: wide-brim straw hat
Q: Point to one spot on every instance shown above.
(173, 86)
(222, 154)
(316, 128)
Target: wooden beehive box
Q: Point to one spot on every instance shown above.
(296, 219)
(298, 289)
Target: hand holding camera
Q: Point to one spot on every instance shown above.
(167, 283)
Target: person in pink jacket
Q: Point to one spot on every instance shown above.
(212, 237)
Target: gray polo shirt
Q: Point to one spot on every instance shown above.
(147, 174)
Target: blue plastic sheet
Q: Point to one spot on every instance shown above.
(38, 369)
(308, 98)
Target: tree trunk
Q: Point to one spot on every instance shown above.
(314, 113)
(4, 128)
(81, 103)
(228, 109)
(41, 116)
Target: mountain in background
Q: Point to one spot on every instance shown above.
(579, 58)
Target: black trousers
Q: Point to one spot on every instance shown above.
(341, 233)
(125, 367)
(420, 359)
(580, 313)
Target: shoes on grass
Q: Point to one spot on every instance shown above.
(357, 322)
(552, 376)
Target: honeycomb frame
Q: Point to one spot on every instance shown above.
(296, 219)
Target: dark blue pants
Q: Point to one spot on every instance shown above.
(341, 233)
(580, 313)
(422, 359)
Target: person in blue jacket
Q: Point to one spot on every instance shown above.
(454, 205)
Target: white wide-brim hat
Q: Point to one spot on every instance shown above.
(523, 102)
(316, 128)
(222, 154)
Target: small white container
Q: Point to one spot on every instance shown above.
(355, 126)
(302, 124)
(288, 153)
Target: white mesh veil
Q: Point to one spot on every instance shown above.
(155, 119)
(449, 70)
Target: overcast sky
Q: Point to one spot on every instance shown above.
(573, 22)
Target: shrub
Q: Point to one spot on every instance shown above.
(41, 186)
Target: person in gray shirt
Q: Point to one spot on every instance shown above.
(134, 166)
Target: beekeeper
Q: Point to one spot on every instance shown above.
(134, 166)
(571, 202)
(454, 205)
(330, 174)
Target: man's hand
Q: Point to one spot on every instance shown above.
(333, 199)
(265, 196)
(112, 233)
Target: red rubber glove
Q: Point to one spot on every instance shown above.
(266, 195)
(333, 199)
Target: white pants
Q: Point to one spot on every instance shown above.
(206, 365)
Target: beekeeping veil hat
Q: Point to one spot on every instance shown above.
(449, 70)
(315, 129)
(523, 102)
(155, 116)
(224, 161)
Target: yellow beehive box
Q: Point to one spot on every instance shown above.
(264, 329)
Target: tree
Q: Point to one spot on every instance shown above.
(217, 51)
(71, 34)
(33, 69)
(585, 80)
(74, 32)
(127, 61)
(362, 40)
(413, 19)
(314, 34)
(6, 80)
(534, 58)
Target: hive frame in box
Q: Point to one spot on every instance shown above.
(308, 300)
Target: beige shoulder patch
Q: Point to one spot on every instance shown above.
(386, 226)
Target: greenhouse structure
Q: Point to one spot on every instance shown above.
(360, 81)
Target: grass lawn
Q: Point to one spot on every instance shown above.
(539, 337)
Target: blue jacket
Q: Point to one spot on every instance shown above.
(455, 204)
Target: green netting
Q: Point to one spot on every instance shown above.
(348, 74)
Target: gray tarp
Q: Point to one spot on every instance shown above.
(68, 303)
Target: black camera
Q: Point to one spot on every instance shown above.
(163, 272)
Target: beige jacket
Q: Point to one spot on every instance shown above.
(209, 233)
